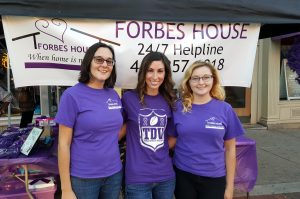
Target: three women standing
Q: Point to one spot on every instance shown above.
(203, 125)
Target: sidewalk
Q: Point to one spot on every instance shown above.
(278, 155)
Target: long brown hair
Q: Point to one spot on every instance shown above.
(166, 88)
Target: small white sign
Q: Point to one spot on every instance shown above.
(30, 141)
(292, 86)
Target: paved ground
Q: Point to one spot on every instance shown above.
(278, 154)
(275, 196)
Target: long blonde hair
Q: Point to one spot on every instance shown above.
(185, 91)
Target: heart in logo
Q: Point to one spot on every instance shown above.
(56, 28)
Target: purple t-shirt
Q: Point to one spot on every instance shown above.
(96, 118)
(200, 137)
(147, 150)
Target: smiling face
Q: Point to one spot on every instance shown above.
(155, 77)
(100, 71)
(201, 83)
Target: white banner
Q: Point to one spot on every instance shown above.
(49, 51)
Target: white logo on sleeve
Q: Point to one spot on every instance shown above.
(152, 128)
(213, 123)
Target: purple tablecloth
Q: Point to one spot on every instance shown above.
(43, 159)
(245, 177)
(246, 164)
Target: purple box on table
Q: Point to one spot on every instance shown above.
(15, 189)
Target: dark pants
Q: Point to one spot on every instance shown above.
(192, 186)
(26, 118)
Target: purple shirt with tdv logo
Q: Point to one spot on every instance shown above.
(96, 118)
(200, 137)
(147, 150)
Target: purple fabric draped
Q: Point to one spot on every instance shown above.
(246, 164)
(42, 161)
(245, 177)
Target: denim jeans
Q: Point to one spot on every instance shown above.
(159, 190)
(104, 188)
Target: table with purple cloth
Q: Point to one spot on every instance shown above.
(42, 160)
(246, 164)
(245, 176)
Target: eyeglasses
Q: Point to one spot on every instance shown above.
(205, 78)
(100, 60)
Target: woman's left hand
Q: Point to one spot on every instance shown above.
(228, 193)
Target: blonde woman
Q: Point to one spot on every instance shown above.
(206, 128)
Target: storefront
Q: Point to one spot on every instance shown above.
(274, 102)
(264, 102)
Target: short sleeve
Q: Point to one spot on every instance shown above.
(234, 126)
(67, 111)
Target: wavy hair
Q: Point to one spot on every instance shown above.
(185, 91)
(85, 68)
(166, 88)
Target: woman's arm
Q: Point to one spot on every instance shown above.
(172, 142)
(230, 161)
(64, 144)
(122, 132)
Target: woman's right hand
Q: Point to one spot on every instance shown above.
(64, 144)
(68, 195)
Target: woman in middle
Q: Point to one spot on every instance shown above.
(148, 110)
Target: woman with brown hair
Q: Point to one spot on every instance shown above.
(148, 115)
(90, 119)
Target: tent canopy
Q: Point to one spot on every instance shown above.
(282, 17)
(262, 11)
